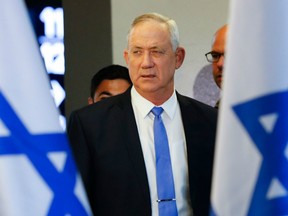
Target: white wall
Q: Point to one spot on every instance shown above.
(197, 21)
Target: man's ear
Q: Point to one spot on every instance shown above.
(90, 100)
(126, 56)
(180, 56)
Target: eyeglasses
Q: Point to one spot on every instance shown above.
(213, 57)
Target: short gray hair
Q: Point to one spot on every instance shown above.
(170, 23)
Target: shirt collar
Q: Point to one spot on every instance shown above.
(144, 106)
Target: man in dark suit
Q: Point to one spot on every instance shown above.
(113, 140)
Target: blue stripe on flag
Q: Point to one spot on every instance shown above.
(212, 212)
(36, 148)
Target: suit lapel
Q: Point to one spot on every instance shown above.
(200, 150)
(190, 122)
(189, 119)
(133, 145)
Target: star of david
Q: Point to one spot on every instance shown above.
(36, 149)
(271, 142)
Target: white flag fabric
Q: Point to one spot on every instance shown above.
(251, 168)
(37, 172)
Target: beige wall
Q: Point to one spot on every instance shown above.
(197, 21)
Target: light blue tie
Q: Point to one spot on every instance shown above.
(165, 183)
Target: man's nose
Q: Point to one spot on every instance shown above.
(147, 60)
(220, 62)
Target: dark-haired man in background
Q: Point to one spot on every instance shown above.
(109, 81)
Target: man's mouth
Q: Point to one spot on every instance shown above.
(148, 76)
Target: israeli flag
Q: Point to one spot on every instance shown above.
(251, 167)
(37, 172)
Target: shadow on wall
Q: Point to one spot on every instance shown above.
(204, 88)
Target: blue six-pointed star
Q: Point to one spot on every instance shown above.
(271, 145)
(36, 148)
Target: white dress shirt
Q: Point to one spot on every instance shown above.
(172, 119)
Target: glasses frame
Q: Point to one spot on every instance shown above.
(211, 59)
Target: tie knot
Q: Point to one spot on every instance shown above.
(157, 111)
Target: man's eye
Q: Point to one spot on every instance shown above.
(137, 52)
(103, 98)
(215, 55)
(157, 53)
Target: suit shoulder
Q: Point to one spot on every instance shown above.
(101, 108)
(193, 106)
(190, 101)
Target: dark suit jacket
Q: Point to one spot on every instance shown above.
(107, 149)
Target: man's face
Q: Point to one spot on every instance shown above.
(219, 47)
(108, 88)
(151, 60)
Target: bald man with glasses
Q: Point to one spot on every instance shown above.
(216, 55)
